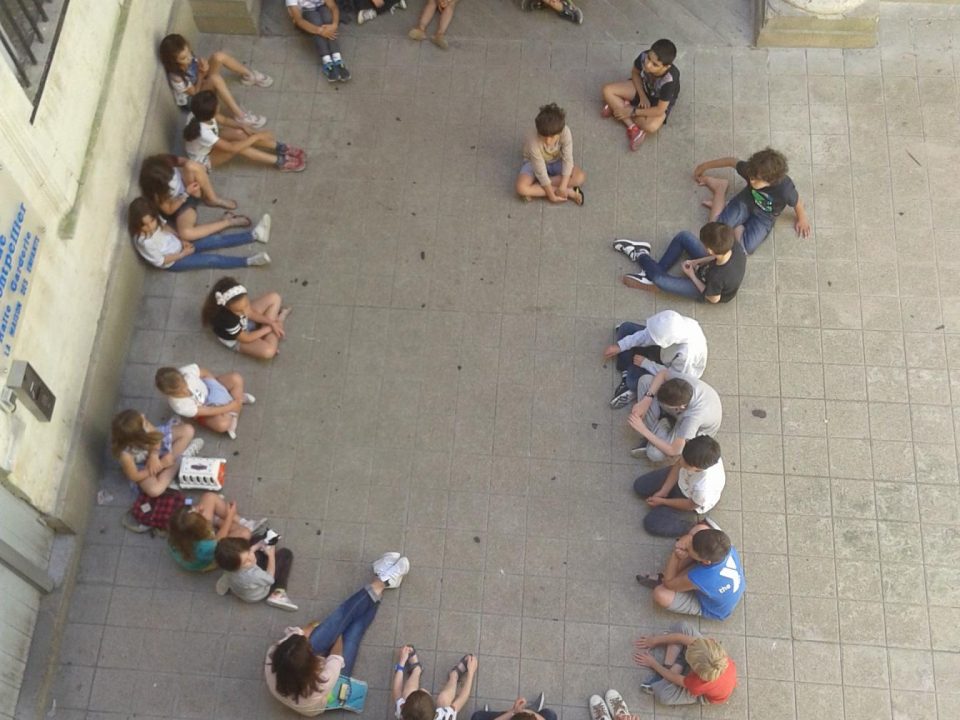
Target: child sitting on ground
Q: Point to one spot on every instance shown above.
(369, 9)
(686, 667)
(669, 339)
(251, 327)
(713, 273)
(564, 8)
(188, 75)
(159, 244)
(430, 8)
(649, 95)
(703, 576)
(149, 456)
(753, 211)
(194, 531)
(413, 703)
(213, 140)
(548, 170)
(683, 493)
(162, 184)
(194, 392)
(254, 573)
(320, 19)
(672, 410)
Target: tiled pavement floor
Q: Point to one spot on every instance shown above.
(441, 390)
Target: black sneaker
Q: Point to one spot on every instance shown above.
(343, 75)
(622, 396)
(633, 249)
(572, 13)
(639, 278)
(329, 71)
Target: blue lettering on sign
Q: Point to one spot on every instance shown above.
(18, 253)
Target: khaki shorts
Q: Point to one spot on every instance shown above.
(686, 603)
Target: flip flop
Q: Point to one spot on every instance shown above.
(462, 664)
(650, 581)
(247, 222)
(412, 663)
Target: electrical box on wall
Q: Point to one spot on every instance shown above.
(26, 386)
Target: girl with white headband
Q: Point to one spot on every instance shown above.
(252, 327)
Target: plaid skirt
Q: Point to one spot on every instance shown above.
(156, 512)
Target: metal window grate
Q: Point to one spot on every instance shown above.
(28, 33)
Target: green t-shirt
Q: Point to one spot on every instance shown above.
(202, 555)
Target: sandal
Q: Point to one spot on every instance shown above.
(413, 661)
(581, 198)
(237, 220)
(650, 581)
(225, 204)
(462, 664)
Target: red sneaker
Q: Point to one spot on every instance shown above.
(635, 137)
(606, 111)
(293, 164)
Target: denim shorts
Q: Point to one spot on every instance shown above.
(217, 394)
(553, 168)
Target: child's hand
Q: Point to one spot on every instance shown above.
(327, 31)
(654, 501)
(645, 659)
(193, 189)
(231, 509)
(556, 198)
(644, 642)
(644, 101)
(188, 249)
(638, 360)
(698, 172)
(519, 704)
(154, 466)
(688, 267)
(611, 351)
(270, 550)
(802, 226)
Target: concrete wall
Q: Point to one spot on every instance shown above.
(75, 164)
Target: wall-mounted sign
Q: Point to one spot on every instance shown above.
(20, 233)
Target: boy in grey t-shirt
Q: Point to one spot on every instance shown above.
(254, 573)
(672, 409)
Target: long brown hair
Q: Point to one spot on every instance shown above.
(140, 208)
(171, 46)
(155, 176)
(296, 667)
(187, 528)
(128, 431)
(210, 305)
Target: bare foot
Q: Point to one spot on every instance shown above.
(223, 203)
(284, 312)
(718, 187)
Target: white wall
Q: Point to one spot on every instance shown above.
(66, 305)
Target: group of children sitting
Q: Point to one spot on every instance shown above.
(676, 414)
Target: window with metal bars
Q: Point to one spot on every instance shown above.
(28, 35)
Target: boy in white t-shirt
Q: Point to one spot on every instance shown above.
(213, 139)
(194, 392)
(685, 491)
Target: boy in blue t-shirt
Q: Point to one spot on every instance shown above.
(703, 576)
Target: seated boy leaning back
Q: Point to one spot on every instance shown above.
(753, 211)
(643, 103)
(548, 170)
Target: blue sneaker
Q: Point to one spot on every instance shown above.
(343, 75)
(329, 71)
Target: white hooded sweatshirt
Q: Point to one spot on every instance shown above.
(683, 346)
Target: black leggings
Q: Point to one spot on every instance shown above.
(281, 570)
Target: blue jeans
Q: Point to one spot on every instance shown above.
(663, 521)
(625, 359)
(546, 713)
(659, 272)
(322, 16)
(197, 261)
(350, 620)
(741, 210)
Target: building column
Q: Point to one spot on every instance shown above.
(817, 23)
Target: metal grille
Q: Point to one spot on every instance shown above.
(28, 33)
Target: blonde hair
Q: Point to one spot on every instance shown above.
(707, 658)
(128, 431)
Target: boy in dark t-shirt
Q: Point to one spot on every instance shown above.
(644, 102)
(754, 210)
(713, 273)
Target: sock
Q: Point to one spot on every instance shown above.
(326, 59)
(337, 59)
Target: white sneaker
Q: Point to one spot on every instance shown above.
(248, 399)
(598, 708)
(232, 430)
(365, 15)
(254, 526)
(616, 703)
(252, 120)
(385, 562)
(255, 77)
(223, 584)
(279, 599)
(260, 258)
(261, 233)
(195, 446)
(393, 576)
